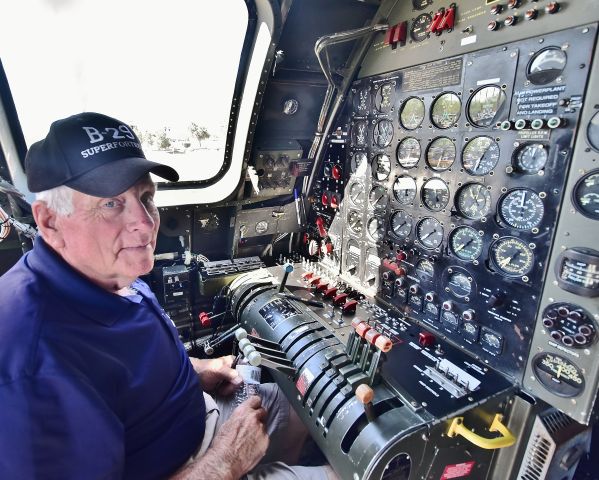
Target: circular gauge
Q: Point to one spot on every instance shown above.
(480, 155)
(440, 154)
(450, 319)
(404, 189)
(435, 194)
(359, 134)
(378, 197)
(445, 111)
(356, 193)
(383, 133)
(466, 243)
(473, 201)
(354, 221)
(486, 105)
(546, 65)
(421, 4)
(359, 161)
(522, 209)
(408, 152)
(401, 223)
(425, 270)
(430, 232)
(381, 167)
(384, 97)
(419, 30)
(362, 101)
(459, 284)
(261, 227)
(593, 132)
(512, 256)
(530, 158)
(586, 195)
(412, 113)
(558, 374)
(375, 229)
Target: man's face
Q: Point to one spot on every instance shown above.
(111, 240)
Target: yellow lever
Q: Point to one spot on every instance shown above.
(507, 439)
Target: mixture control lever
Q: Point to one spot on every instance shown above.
(287, 268)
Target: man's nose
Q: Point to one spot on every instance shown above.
(139, 218)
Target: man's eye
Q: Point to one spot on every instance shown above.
(148, 199)
(111, 204)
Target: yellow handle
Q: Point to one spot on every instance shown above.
(507, 439)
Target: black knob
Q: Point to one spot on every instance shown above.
(552, 7)
(511, 20)
(496, 299)
(531, 14)
(493, 25)
(497, 9)
(513, 4)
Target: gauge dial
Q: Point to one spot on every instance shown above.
(356, 193)
(474, 201)
(381, 167)
(362, 101)
(466, 243)
(404, 189)
(419, 30)
(359, 134)
(354, 221)
(412, 113)
(384, 97)
(522, 209)
(558, 374)
(435, 194)
(491, 341)
(546, 65)
(383, 133)
(511, 256)
(530, 158)
(480, 155)
(445, 111)
(359, 162)
(486, 106)
(377, 197)
(586, 195)
(430, 232)
(440, 154)
(593, 132)
(261, 227)
(450, 319)
(459, 284)
(408, 152)
(425, 270)
(401, 223)
(375, 229)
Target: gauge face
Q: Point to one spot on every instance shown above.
(412, 113)
(466, 243)
(530, 158)
(378, 197)
(459, 284)
(381, 167)
(359, 134)
(522, 209)
(480, 155)
(486, 106)
(558, 374)
(375, 229)
(354, 221)
(425, 270)
(261, 227)
(586, 195)
(401, 224)
(359, 162)
(419, 30)
(445, 111)
(435, 194)
(356, 193)
(383, 133)
(474, 201)
(430, 232)
(593, 132)
(491, 341)
(384, 97)
(512, 256)
(408, 152)
(362, 101)
(440, 154)
(404, 189)
(450, 319)
(546, 65)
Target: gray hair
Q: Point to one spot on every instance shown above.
(59, 199)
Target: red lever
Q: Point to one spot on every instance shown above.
(307, 275)
(448, 20)
(434, 26)
(362, 328)
(322, 286)
(331, 292)
(426, 339)
(320, 225)
(340, 299)
(314, 281)
(389, 35)
(204, 319)
(400, 33)
(350, 307)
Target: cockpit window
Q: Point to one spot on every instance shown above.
(168, 68)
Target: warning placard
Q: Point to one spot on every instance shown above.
(539, 101)
(457, 470)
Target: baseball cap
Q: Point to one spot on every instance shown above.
(92, 153)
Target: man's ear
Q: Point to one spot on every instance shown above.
(46, 221)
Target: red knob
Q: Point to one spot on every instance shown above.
(328, 248)
(204, 319)
(337, 173)
(401, 256)
(324, 199)
(334, 201)
(320, 225)
(426, 339)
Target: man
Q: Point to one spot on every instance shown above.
(94, 382)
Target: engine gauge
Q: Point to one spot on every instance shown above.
(359, 134)
(530, 158)
(546, 65)
(375, 228)
(586, 195)
(354, 221)
(480, 155)
(362, 101)
(383, 133)
(486, 106)
(261, 227)
(356, 193)
(577, 271)
(381, 167)
(425, 270)
(558, 374)
(440, 154)
(465, 243)
(491, 341)
(377, 198)
(404, 189)
(473, 201)
(419, 31)
(408, 152)
(435, 194)
(430, 232)
(522, 209)
(459, 284)
(385, 97)
(445, 110)
(401, 224)
(511, 256)
(359, 162)
(450, 319)
(412, 113)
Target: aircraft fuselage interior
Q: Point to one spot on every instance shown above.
(403, 219)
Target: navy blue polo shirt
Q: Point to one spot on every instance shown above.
(92, 385)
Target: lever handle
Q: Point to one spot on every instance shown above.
(506, 439)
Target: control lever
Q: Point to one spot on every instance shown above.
(287, 268)
(365, 395)
(235, 330)
(313, 303)
(259, 357)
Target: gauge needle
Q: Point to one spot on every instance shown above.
(463, 245)
(428, 234)
(559, 371)
(478, 162)
(523, 199)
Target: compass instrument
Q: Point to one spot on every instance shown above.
(445, 110)
(546, 65)
(465, 243)
(473, 201)
(511, 256)
(404, 189)
(440, 154)
(487, 106)
(430, 232)
(408, 152)
(480, 155)
(435, 194)
(412, 113)
(522, 209)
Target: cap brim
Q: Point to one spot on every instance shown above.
(115, 177)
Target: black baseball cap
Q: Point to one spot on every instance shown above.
(91, 153)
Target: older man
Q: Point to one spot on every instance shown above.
(94, 382)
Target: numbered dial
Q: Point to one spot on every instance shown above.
(383, 133)
(385, 97)
(359, 134)
(401, 224)
(362, 101)
(586, 195)
(487, 106)
(381, 167)
(430, 232)
(445, 111)
(419, 30)
(359, 162)
(474, 201)
(408, 152)
(412, 113)
(404, 189)
(558, 375)
(356, 194)
(522, 209)
(530, 158)
(440, 154)
(425, 270)
(465, 243)
(354, 221)
(435, 194)
(459, 284)
(375, 229)
(480, 155)
(377, 198)
(511, 256)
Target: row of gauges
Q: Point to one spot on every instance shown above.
(479, 157)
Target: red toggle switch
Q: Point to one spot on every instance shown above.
(350, 307)
(307, 275)
(337, 172)
(389, 34)
(322, 286)
(340, 299)
(400, 33)
(314, 281)
(320, 225)
(434, 26)
(330, 292)
(448, 20)
(426, 339)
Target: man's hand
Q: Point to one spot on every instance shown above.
(216, 375)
